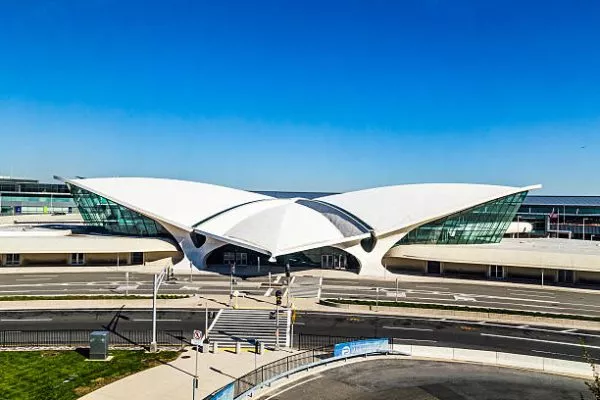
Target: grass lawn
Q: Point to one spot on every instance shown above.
(65, 375)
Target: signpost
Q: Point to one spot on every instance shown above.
(197, 339)
(278, 295)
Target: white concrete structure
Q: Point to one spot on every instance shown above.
(366, 223)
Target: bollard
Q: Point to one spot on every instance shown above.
(261, 348)
(238, 347)
(215, 347)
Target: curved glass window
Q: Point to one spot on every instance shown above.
(346, 223)
(485, 223)
(106, 216)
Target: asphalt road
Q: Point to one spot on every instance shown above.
(428, 380)
(525, 297)
(530, 340)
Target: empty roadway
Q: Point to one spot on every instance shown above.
(476, 294)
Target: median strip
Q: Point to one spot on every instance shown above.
(435, 306)
(92, 297)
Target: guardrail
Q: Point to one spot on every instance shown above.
(257, 379)
(271, 370)
(81, 337)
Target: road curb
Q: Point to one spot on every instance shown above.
(466, 315)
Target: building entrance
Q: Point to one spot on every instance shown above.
(335, 261)
(434, 267)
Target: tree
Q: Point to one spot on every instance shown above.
(594, 384)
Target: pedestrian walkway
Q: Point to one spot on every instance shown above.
(248, 326)
(174, 380)
(306, 287)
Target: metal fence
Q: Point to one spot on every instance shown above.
(81, 337)
(310, 341)
(318, 347)
(268, 371)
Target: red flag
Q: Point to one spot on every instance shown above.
(553, 215)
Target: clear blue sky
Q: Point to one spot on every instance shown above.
(304, 95)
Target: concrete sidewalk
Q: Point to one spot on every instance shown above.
(174, 380)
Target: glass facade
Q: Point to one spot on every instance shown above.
(109, 217)
(485, 223)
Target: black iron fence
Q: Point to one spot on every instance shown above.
(81, 337)
(310, 341)
(271, 370)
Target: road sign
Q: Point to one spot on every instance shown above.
(197, 338)
(293, 316)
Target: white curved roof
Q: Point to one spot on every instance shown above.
(278, 226)
(180, 203)
(392, 208)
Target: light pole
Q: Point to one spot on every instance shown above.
(583, 229)
(158, 280)
(231, 272)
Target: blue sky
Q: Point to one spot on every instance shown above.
(305, 95)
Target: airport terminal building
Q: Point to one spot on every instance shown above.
(442, 229)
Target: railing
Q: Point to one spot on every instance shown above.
(276, 368)
(81, 337)
(310, 341)
(320, 348)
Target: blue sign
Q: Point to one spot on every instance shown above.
(361, 347)
(224, 394)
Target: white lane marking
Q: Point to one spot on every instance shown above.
(403, 328)
(43, 276)
(463, 298)
(293, 386)
(539, 340)
(432, 287)
(417, 340)
(556, 354)
(32, 279)
(393, 294)
(532, 295)
(268, 292)
(189, 288)
(277, 279)
(125, 287)
(299, 323)
(569, 330)
(15, 291)
(159, 320)
(25, 319)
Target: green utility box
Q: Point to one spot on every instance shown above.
(99, 345)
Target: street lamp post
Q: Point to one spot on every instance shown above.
(231, 272)
(158, 280)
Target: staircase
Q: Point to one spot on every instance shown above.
(246, 326)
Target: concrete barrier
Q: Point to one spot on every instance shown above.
(499, 359)
(566, 367)
(446, 353)
(520, 361)
(477, 356)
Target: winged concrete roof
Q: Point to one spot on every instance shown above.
(282, 226)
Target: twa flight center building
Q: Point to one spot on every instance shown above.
(443, 229)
